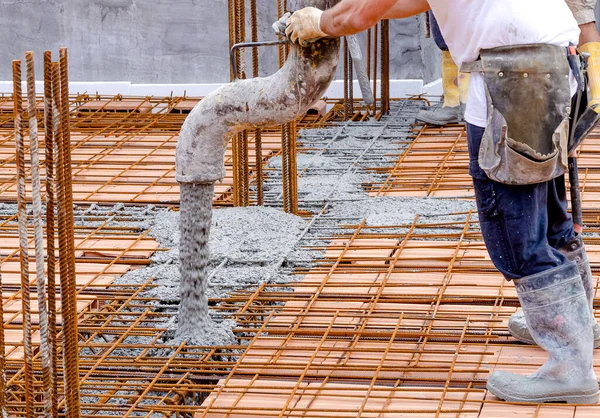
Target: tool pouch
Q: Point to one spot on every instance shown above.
(529, 100)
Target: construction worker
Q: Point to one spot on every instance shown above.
(454, 85)
(517, 115)
(574, 250)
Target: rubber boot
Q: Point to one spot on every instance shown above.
(557, 311)
(575, 252)
(593, 49)
(450, 112)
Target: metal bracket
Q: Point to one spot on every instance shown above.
(235, 48)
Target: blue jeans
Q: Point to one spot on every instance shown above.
(436, 33)
(523, 226)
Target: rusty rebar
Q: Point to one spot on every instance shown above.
(260, 194)
(282, 50)
(23, 246)
(257, 132)
(232, 32)
(289, 168)
(241, 164)
(240, 30)
(346, 59)
(369, 40)
(67, 256)
(50, 228)
(375, 64)
(254, 37)
(385, 66)
(3, 387)
(350, 81)
(36, 197)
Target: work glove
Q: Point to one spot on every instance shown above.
(593, 70)
(304, 26)
(281, 25)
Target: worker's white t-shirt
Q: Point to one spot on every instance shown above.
(471, 25)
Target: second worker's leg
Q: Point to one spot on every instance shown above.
(514, 224)
(562, 237)
(454, 84)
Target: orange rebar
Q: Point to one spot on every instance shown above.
(50, 228)
(38, 234)
(281, 6)
(3, 388)
(23, 244)
(385, 66)
(258, 132)
(289, 170)
(67, 251)
(241, 186)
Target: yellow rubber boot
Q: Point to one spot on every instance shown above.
(450, 81)
(593, 49)
(450, 112)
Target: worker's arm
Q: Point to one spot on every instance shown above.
(348, 18)
(589, 43)
(353, 16)
(583, 10)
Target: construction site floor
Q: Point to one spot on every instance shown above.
(380, 300)
(404, 315)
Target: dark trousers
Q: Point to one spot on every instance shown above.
(436, 33)
(523, 226)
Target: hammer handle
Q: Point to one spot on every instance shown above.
(575, 195)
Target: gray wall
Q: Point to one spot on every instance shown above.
(161, 41)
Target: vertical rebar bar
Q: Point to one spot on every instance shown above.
(241, 184)
(258, 132)
(385, 66)
(50, 228)
(285, 184)
(254, 37)
(294, 168)
(288, 142)
(369, 40)
(23, 247)
(232, 32)
(346, 80)
(289, 168)
(350, 82)
(3, 412)
(242, 188)
(233, 36)
(281, 50)
(36, 196)
(68, 290)
(375, 61)
(260, 194)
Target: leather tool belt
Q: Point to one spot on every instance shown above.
(529, 102)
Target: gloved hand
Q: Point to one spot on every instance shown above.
(281, 25)
(304, 26)
(593, 49)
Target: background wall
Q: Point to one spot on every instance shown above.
(163, 41)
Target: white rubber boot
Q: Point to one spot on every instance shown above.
(558, 315)
(575, 252)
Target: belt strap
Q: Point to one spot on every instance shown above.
(471, 67)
